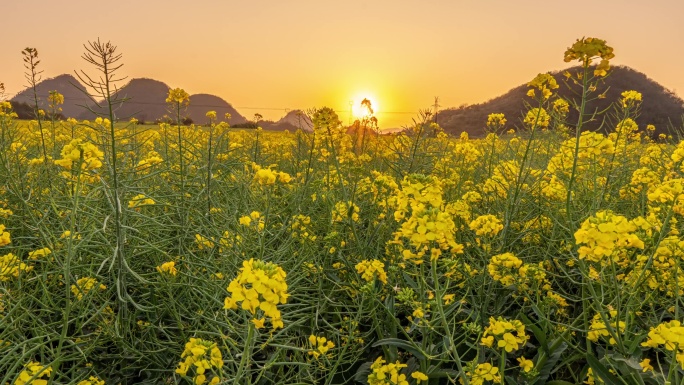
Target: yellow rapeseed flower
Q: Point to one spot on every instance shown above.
(587, 49)
(386, 374)
(319, 346)
(419, 376)
(35, 254)
(35, 370)
(140, 200)
(84, 285)
(525, 364)
(178, 96)
(168, 268)
(372, 269)
(646, 365)
(12, 266)
(259, 288)
(509, 335)
(4, 236)
(92, 380)
(204, 358)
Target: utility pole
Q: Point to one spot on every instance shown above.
(435, 109)
(351, 108)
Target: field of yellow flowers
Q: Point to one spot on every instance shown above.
(541, 254)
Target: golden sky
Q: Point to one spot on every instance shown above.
(266, 56)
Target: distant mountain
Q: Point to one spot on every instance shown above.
(659, 106)
(67, 85)
(145, 100)
(292, 121)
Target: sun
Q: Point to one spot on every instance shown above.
(364, 106)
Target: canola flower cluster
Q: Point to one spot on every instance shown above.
(253, 220)
(594, 150)
(504, 267)
(486, 226)
(588, 49)
(496, 122)
(670, 336)
(84, 285)
(479, 374)
(319, 346)
(203, 359)
(178, 96)
(605, 236)
(426, 224)
(5, 236)
(598, 329)
(267, 177)
(11, 266)
(508, 335)
(666, 273)
(544, 83)
(302, 228)
(383, 373)
(344, 211)
(34, 373)
(168, 268)
(259, 286)
(92, 380)
(40, 253)
(537, 118)
(78, 158)
(140, 200)
(371, 270)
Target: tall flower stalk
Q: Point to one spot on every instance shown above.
(106, 61)
(33, 76)
(178, 101)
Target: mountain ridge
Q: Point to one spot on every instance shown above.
(146, 101)
(659, 105)
(73, 91)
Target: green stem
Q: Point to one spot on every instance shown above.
(246, 354)
(578, 132)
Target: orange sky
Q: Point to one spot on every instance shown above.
(275, 55)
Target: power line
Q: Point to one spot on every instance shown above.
(131, 101)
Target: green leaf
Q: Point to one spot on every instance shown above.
(412, 284)
(634, 346)
(559, 382)
(628, 367)
(601, 371)
(632, 362)
(405, 345)
(550, 364)
(538, 333)
(362, 373)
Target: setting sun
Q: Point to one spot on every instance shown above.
(362, 110)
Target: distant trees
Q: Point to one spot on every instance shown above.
(23, 110)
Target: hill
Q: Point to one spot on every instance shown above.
(66, 85)
(145, 100)
(659, 106)
(292, 121)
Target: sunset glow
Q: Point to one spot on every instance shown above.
(361, 110)
(271, 57)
